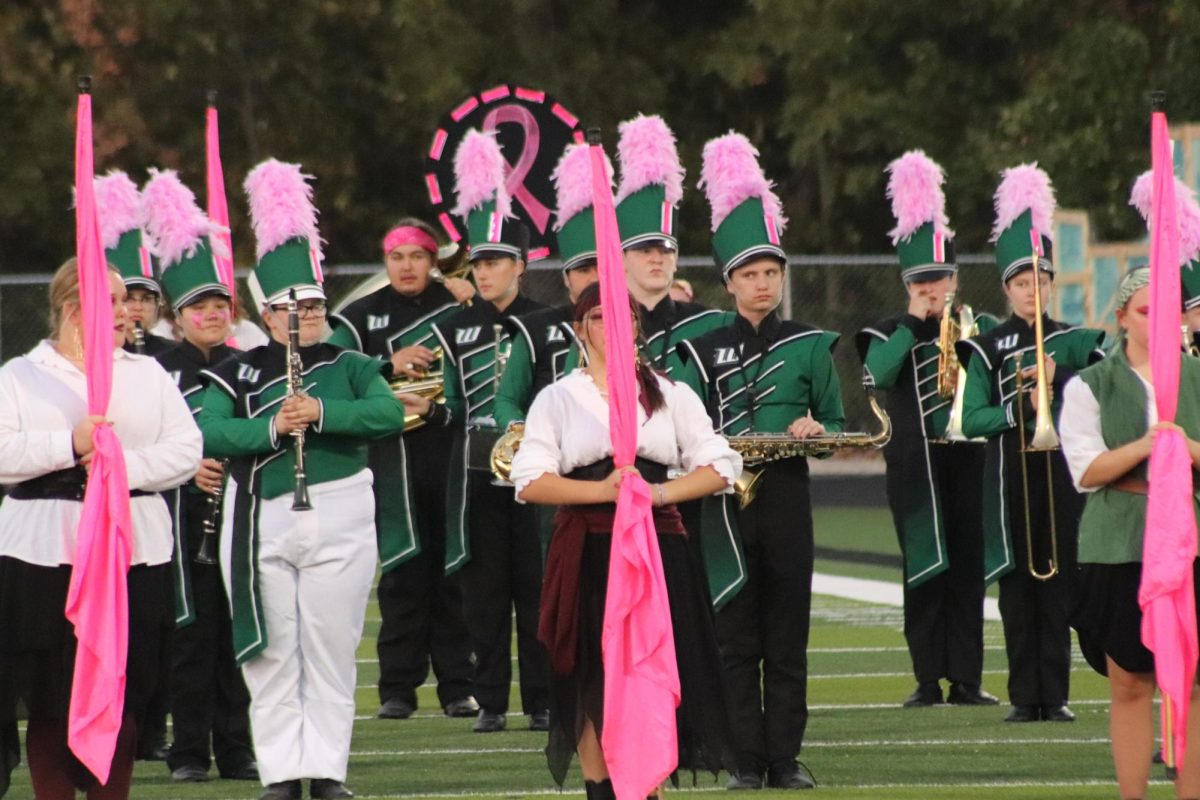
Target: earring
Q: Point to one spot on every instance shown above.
(78, 344)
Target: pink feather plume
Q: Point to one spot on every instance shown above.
(1188, 212)
(118, 202)
(648, 155)
(1025, 188)
(175, 225)
(731, 174)
(479, 174)
(573, 181)
(915, 189)
(281, 206)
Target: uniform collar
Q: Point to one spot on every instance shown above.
(768, 329)
(434, 294)
(44, 353)
(195, 355)
(1025, 327)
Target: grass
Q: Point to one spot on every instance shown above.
(860, 742)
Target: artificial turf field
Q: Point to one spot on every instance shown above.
(860, 742)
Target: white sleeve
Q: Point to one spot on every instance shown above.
(27, 454)
(174, 457)
(699, 445)
(541, 450)
(1079, 430)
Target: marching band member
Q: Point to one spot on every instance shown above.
(208, 697)
(420, 606)
(761, 374)
(932, 480)
(45, 446)
(298, 545)
(489, 536)
(1034, 610)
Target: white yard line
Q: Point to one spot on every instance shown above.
(881, 592)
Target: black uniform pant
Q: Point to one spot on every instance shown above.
(421, 607)
(504, 573)
(1036, 613)
(943, 616)
(763, 630)
(209, 701)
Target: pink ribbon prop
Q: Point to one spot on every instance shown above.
(514, 184)
(218, 208)
(97, 599)
(1166, 594)
(641, 677)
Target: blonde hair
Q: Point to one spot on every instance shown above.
(64, 288)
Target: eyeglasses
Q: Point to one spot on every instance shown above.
(305, 310)
(141, 299)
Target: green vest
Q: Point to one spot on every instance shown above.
(1114, 522)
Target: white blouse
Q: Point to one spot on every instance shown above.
(42, 397)
(1079, 426)
(567, 427)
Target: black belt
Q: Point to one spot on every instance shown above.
(65, 484)
(652, 471)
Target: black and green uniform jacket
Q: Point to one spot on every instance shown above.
(379, 324)
(900, 355)
(756, 382)
(238, 422)
(471, 346)
(544, 348)
(669, 323)
(989, 410)
(183, 363)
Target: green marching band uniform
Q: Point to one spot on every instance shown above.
(933, 481)
(208, 697)
(760, 379)
(1034, 612)
(299, 580)
(489, 536)
(419, 605)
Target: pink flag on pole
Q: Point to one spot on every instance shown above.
(97, 599)
(641, 678)
(1166, 595)
(218, 208)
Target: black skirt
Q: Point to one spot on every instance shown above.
(1108, 619)
(701, 719)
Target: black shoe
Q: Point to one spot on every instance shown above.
(463, 707)
(539, 720)
(745, 779)
(1023, 714)
(189, 773)
(395, 709)
(154, 751)
(487, 722)
(246, 771)
(283, 790)
(966, 694)
(1157, 757)
(790, 774)
(926, 694)
(1057, 714)
(327, 789)
(599, 790)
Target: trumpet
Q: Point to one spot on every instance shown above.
(757, 449)
(952, 378)
(210, 526)
(1045, 438)
(295, 386)
(432, 386)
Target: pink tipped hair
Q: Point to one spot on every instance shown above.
(479, 174)
(731, 174)
(573, 181)
(915, 189)
(648, 155)
(174, 224)
(1025, 188)
(1188, 211)
(119, 206)
(281, 206)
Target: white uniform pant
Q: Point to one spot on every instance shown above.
(315, 570)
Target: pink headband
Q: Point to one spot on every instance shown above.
(407, 234)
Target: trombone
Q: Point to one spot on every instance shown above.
(1045, 438)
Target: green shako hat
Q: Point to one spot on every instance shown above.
(1187, 211)
(492, 231)
(922, 236)
(181, 237)
(288, 246)
(576, 226)
(747, 217)
(1024, 221)
(651, 183)
(119, 204)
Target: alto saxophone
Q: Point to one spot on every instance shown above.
(295, 386)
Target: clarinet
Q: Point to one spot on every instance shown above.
(295, 386)
(139, 338)
(211, 525)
